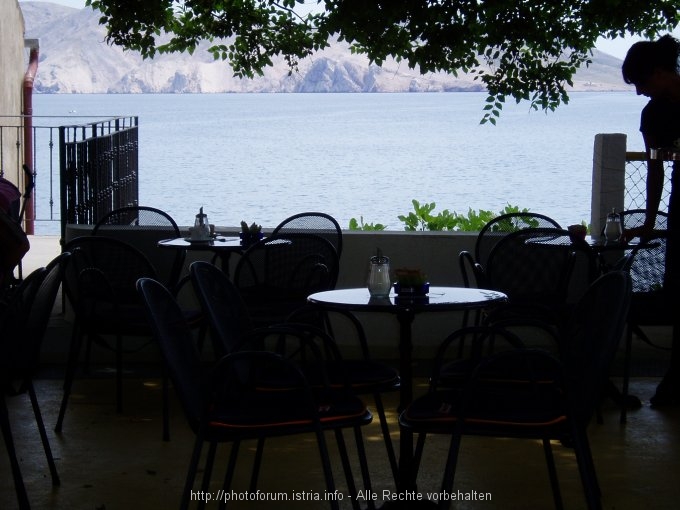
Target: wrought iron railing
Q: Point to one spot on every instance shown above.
(92, 164)
(98, 168)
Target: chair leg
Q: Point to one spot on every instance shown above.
(363, 462)
(418, 454)
(43, 434)
(344, 458)
(229, 475)
(119, 374)
(386, 435)
(626, 374)
(71, 367)
(19, 486)
(552, 473)
(166, 401)
(326, 465)
(450, 469)
(207, 473)
(191, 473)
(587, 471)
(257, 463)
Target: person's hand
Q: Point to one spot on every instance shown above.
(643, 232)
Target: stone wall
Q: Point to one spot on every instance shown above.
(12, 68)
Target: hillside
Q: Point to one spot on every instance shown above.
(75, 59)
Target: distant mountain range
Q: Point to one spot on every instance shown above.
(74, 58)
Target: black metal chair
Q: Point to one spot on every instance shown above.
(100, 285)
(318, 223)
(534, 268)
(487, 239)
(143, 227)
(530, 394)
(493, 232)
(23, 322)
(276, 274)
(650, 305)
(230, 325)
(234, 401)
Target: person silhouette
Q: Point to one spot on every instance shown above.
(652, 67)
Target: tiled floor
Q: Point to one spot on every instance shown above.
(109, 461)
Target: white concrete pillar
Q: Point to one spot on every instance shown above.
(609, 175)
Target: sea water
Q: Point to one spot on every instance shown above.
(263, 157)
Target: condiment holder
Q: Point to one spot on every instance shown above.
(379, 283)
(201, 229)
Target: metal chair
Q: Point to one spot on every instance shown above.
(318, 223)
(487, 239)
(143, 227)
(650, 306)
(100, 285)
(494, 231)
(23, 322)
(276, 274)
(537, 396)
(230, 325)
(234, 401)
(533, 267)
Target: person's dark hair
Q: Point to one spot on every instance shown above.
(644, 57)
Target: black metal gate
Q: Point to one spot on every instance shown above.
(99, 169)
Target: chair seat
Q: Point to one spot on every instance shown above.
(285, 412)
(494, 408)
(362, 376)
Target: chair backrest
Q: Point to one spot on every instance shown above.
(648, 265)
(318, 223)
(504, 224)
(275, 275)
(43, 303)
(593, 334)
(114, 263)
(142, 227)
(14, 314)
(25, 322)
(222, 304)
(177, 345)
(532, 266)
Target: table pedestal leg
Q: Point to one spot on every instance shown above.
(406, 480)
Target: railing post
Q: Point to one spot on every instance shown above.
(609, 175)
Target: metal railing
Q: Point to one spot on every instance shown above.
(635, 194)
(86, 169)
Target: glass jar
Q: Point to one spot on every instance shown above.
(201, 230)
(613, 229)
(379, 283)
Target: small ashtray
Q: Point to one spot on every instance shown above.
(411, 290)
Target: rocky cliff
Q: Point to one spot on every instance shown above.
(74, 58)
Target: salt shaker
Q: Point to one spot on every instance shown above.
(613, 230)
(379, 283)
(201, 229)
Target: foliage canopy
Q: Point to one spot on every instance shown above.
(521, 49)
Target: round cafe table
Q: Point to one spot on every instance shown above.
(439, 299)
(222, 246)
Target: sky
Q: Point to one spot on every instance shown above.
(617, 47)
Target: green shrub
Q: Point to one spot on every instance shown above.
(356, 225)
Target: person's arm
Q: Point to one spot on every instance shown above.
(655, 180)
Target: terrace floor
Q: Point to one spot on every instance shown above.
(110, 461)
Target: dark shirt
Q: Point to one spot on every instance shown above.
(660, 119)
